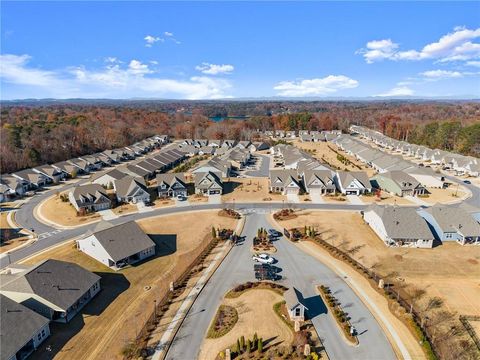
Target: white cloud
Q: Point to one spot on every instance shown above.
(441, 74)
(150, 40)
(308, 87)
(113, 81)
(398, 91)
(167, 33)
(454, 46)
(473, 63)
(214, 69)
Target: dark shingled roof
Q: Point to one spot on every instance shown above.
(19, 324)
(59, 282)
(123, 240)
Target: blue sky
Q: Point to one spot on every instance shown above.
(212, 50)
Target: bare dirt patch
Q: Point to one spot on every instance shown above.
(249, 190)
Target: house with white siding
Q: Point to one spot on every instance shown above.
(117, 246)
(399, 226)
(352, 182)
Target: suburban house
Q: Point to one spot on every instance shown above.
(294, 303)
(117, 246)
(54, 175)
(83, 166)
(427, 177)
(107, 178)
(131, 189)
(352, 182)
(216, 165)
(21, 330)
(171, 185)
(258, 146)
(319, 182)
(398, 183)
(284, 182)
(399, 226)
(208, 183)
(91, 197)
(14, 186)
(55, 289)
(452, 223)
(35, 179)
(68, 169)
(134, 170)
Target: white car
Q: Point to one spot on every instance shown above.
(263, 258)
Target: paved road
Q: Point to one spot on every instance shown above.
(263, 170)
(300, 270)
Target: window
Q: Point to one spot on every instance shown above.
(297, 311)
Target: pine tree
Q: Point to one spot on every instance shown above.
(260, 345)
(242, 343)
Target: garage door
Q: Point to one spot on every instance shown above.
(352, 192)
(316, 191)
(291, 191)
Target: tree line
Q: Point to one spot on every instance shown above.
(36, 133)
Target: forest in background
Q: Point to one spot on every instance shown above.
(34, 133)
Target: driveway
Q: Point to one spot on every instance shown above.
(293, 198)
(300, 270)
(107, 214)
(416, 200)
(215, 199)
(354, 199)
(263, 168)
(316, 198)
(142, 208)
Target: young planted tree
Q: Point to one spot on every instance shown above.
(260, 345)
(242, 343)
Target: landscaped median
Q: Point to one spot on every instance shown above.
(340, 316)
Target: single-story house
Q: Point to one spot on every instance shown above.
(352, 182)
(117, 246)
(91, 197)
(55, 289)
(107, 178)
(284, 182)
(53, 174)
(294, 303)
(452, 223)
(398, 183)
(68, 169)
(35, 179)
(171, 185)
(14, 186)
(319, 182)
(131, 189)
(21, 330)
(399, 226)
(208, 183)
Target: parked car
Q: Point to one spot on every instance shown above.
(180, 197)
(263, 258)
(274, 233)
(467, 182)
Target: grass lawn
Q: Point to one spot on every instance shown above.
(249, 190)
(63, 213)
(121, 308)
(255, 314)
(125, 209)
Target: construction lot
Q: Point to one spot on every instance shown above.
(114, 317)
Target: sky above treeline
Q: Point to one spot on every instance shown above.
(212, 50)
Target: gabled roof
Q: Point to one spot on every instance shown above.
(92, 193)
(346, 178)
(402, 222)
(171, 178)
(283, 177)
(123, 240)
(58, 282)
(19, 324)
(207, 180)
(454, 219)
(128, 185)
(114, 173)
(322, 176)
(402, 179)
(293, 298)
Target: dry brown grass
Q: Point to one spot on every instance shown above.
(249, 190)
(10, 238)
(255, 314)
(321, 150)
(63, 213)
(118, 312)
(125, 209)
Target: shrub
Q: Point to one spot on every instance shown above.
(260, 345)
